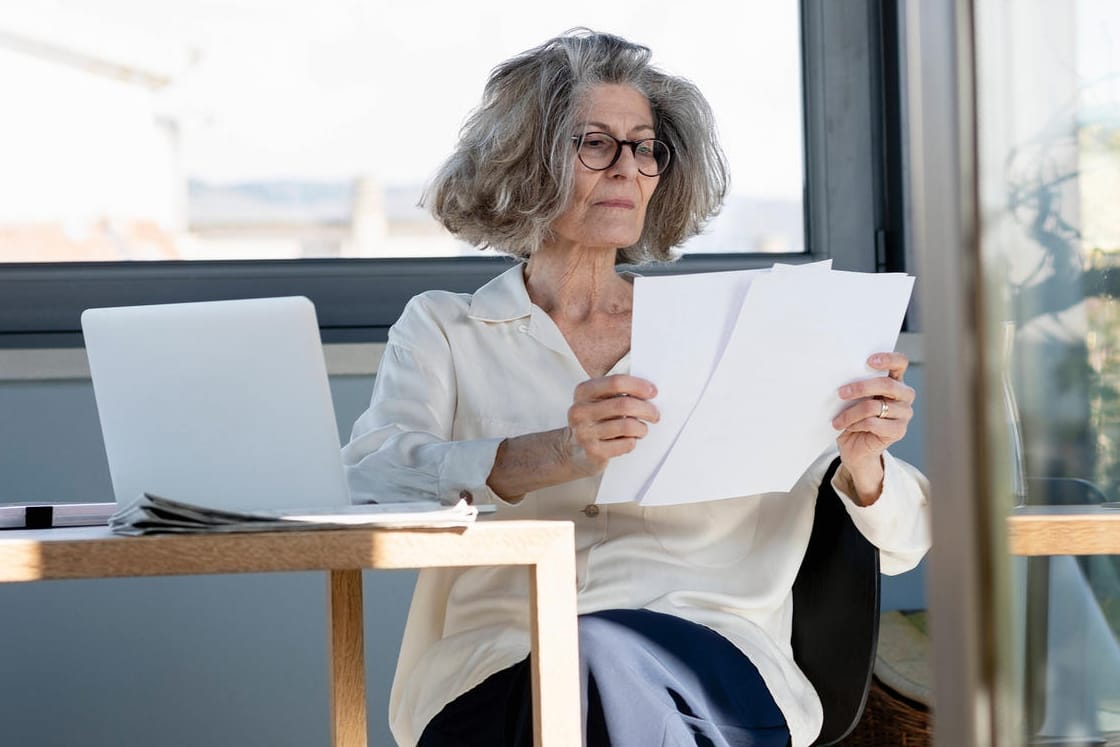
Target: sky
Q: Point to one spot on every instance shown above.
(1098, 59)
(330, 89)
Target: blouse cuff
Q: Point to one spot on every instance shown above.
(465, 468)
(891, 501)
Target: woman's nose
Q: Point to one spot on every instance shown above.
(626, 164)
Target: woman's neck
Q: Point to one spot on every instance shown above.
(577, 284)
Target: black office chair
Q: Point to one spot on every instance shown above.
(836, 613)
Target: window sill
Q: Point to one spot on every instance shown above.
(343, 359)
(63, 364)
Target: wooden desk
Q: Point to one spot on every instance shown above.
(1064, 530)
(546, 547)
(1040, 532)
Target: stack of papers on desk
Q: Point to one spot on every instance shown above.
(152, 514)
(747, 366)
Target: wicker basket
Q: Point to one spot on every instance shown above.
(897, 714)
(891, 720)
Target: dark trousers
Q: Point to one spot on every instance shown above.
(647, 680)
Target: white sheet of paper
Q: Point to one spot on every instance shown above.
(673, 304)
(757, 395)
(686, 321)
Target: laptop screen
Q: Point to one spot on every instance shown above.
(225, 404)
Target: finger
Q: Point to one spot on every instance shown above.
(615, 385)
(878, 386)
(609, 430)
(625, 407)
(616, 447)
(889, 431)
(585, 413)
(608, 439)
(895, 364)
(870, 409)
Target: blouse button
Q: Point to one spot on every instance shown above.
(523, 328)
(466, 495)
(591, 511)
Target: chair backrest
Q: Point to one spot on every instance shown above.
(836, 613)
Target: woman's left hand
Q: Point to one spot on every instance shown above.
(880, 412)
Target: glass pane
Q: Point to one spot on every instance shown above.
(1049, 136)
(223, 129)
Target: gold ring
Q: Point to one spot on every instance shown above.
(883, 408)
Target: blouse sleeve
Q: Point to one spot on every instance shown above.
(400, 448)
(898, 523)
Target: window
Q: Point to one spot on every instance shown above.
(189, 150)
(1018, 110)
(1050, 180)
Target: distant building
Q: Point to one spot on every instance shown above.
(313, 219)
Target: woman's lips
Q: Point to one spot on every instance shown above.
(628, 204)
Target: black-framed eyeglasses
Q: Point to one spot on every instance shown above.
(599, 151)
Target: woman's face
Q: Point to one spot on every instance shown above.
(608, 208)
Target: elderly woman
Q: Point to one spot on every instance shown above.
(580, 157)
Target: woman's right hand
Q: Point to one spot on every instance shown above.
(607, 417)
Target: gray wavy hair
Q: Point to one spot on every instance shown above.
(511, 173)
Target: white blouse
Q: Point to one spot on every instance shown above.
(462, 372)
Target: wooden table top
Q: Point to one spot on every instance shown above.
(1064, 530)
(94, 552)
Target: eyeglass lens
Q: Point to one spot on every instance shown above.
(599, 151)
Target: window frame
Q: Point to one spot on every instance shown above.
(852, 215)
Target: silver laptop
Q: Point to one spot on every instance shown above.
(223, 404)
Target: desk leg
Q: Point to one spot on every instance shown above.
(347, 655)
(556, 718)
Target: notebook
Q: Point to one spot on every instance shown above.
(222, 404)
